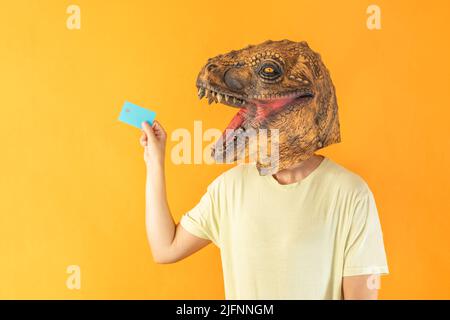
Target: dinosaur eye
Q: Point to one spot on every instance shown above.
(270, 70)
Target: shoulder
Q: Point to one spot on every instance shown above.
(345, 180)
(353, 190)
(234, 176)
(239, 171)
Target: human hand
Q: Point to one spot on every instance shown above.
(153, 139)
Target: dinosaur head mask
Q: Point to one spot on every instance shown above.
(277, 86)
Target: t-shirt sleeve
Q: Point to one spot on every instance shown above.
(364, 252)
(203, 220)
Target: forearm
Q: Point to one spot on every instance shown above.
(169, 243)
(159, 222)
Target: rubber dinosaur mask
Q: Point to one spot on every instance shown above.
(278, 86)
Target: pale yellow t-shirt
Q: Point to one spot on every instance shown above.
(292, 241)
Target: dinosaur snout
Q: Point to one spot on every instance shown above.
(236, 79)
(211, 74)
(224, 77)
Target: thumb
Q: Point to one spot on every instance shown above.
(148, 132)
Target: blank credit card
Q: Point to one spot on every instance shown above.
(134, 115)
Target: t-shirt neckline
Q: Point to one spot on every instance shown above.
(308, 178)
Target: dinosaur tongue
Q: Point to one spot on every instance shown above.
(234, 124)
(232, 130)
(264, 108)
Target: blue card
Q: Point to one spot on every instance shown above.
(135, 115)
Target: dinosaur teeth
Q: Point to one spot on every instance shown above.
(201, 93)
(217, 97)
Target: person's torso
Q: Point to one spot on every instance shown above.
(285, 241)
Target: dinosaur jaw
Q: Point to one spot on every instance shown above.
(218, 96)
(266, 101)
(253, 112)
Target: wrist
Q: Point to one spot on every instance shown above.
(155, 165)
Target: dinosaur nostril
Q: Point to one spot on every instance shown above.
(211, 66)
(232, 81)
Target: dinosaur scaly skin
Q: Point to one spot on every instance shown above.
(276, 85)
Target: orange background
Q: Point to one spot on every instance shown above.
(72, 176)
